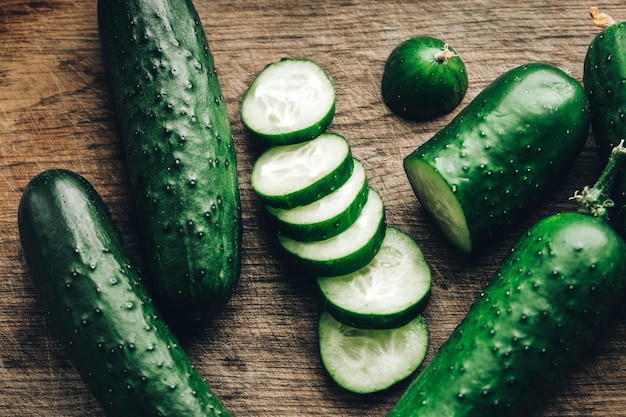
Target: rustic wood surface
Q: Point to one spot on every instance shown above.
(261, 354)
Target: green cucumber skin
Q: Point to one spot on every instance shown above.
(98, 307)
(603, 77)
(510, 144)
(418, 87)
(530, 327)
(327, 229)
(179, 149)
(365, 321)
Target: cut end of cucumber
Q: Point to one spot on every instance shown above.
(366, 361)
(388, 292)
(290, 101)
(438, 199)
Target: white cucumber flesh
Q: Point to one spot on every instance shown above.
(348, 251)
(438, 199)
(388, 292)
(328, 216)
(367, 361)
(289, 101)
(288, 176)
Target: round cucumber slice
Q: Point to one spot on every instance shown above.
(438, 199)
(366, 361)
(348, 251)
(293, 175)
(289, 101)
(388, 292)
(328, 216)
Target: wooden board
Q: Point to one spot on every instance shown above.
(261, 354)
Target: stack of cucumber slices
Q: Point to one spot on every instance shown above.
(372, 277)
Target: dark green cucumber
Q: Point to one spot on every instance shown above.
(603, 77)
(179, 148)
(423, 78)
(541, 311)
(98, 307)
(500, 153)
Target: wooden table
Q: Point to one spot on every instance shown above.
(261, 354)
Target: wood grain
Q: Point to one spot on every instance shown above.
(261, 354)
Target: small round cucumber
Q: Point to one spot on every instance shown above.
(288, 176)
(328, 216)
(477, 175)
(366, 361)
(289, 101)
(423, 78)
(388, 292)
(348, 251)
(98, 307)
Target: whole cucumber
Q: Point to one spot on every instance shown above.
(179, 149)
(478, 174)
(532, 324)
(604, 73)
(98, 307)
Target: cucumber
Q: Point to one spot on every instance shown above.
(478, 174)
(179, 150)
(367, 361)
(289, 101)
(328, 216)
(346, 252)
(99, 308)
(388, 292)
(288, 176)
(424, 78)
(530, 326)
(603, 77)
(540, 312)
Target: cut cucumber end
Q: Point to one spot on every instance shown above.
(388, 292)
(347, 252)
(289, 101)
(438, 199)
(367, 361)
(328, 216)
(293, 175)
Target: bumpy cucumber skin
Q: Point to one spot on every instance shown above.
(533, 323)
(179, 149)
(603, 77)
(416, 86)
(510, 144)
(99, 308)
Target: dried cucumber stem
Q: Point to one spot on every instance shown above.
(444, 54)
(595, 200)
(601, 20)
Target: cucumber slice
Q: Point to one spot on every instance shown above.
(328, 216)
(388, 292)
(366, 361)
(289, 101)
(438, 199)
(293, 175)
(348, 251)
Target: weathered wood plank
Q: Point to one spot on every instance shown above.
(261, 354)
